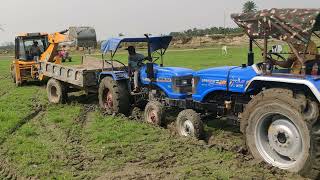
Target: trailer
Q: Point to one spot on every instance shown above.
(86, 76)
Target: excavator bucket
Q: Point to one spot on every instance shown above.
(83, 36)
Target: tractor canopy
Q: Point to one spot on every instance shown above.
(156, 43)
(294, 26)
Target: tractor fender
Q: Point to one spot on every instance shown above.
(117, 76)
(303, 82)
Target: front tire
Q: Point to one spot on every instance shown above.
(189, 124)
(154, 113)
(278, 132)
(57, 91)
(114, 96)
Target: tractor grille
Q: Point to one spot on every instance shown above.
(182, 84)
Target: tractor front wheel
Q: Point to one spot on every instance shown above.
(154, 113)
(189, 124)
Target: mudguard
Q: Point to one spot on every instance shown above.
(312, 82)
(116, 75)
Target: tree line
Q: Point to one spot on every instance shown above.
(206, 32)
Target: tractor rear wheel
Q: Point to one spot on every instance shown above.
(114, 96)
(280, 131)
(154, 113)
(57, 91)
(189, 124)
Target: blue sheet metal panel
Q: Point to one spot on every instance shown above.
(216, 79)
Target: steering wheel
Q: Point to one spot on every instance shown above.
(124, 67)
(271, 54)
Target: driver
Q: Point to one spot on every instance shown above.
(35, 50)
(135, 60)
(293, 61)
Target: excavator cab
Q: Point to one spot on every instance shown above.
(23, 67)
(23, 46)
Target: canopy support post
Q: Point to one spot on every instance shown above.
(265, 51)
(161, 63)
(250, 53)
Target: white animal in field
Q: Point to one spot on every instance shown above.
(277, 49)
(224, 50)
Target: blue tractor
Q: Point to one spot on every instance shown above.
(158, 83)
(276, 107)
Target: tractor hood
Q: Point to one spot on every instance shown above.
(175, 82)
(175, 71)
(227, 78)
(215, 71)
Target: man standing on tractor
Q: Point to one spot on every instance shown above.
(35, 50)
(135, 61)
(293, 61)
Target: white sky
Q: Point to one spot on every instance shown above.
(131, 17)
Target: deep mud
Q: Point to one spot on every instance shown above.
(167, 166)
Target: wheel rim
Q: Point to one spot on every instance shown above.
(107, 99)
(278, 140)
(54, 93)
(186, 128)
(152, 117)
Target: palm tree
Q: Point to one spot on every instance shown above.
(1, 29)
(249, 6)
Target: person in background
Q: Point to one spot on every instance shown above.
(293, 61)
(64, 54)
(135, 61)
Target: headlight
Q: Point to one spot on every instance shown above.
(184, 82)
(195, 81)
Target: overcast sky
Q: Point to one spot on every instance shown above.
(131, 17)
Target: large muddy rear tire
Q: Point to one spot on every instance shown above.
(114, 96)
(189, 124)
(57, 91)
(280, 131)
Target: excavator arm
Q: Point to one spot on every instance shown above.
(54, 40)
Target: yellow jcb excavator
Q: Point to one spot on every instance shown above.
(32, 48)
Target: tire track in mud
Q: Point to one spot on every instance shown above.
(7, 172)
(76, 156)
(33, 115)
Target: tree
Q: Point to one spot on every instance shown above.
(1, 29)
(120, 34)
(249, 6)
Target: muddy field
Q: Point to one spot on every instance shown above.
(76, 141)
